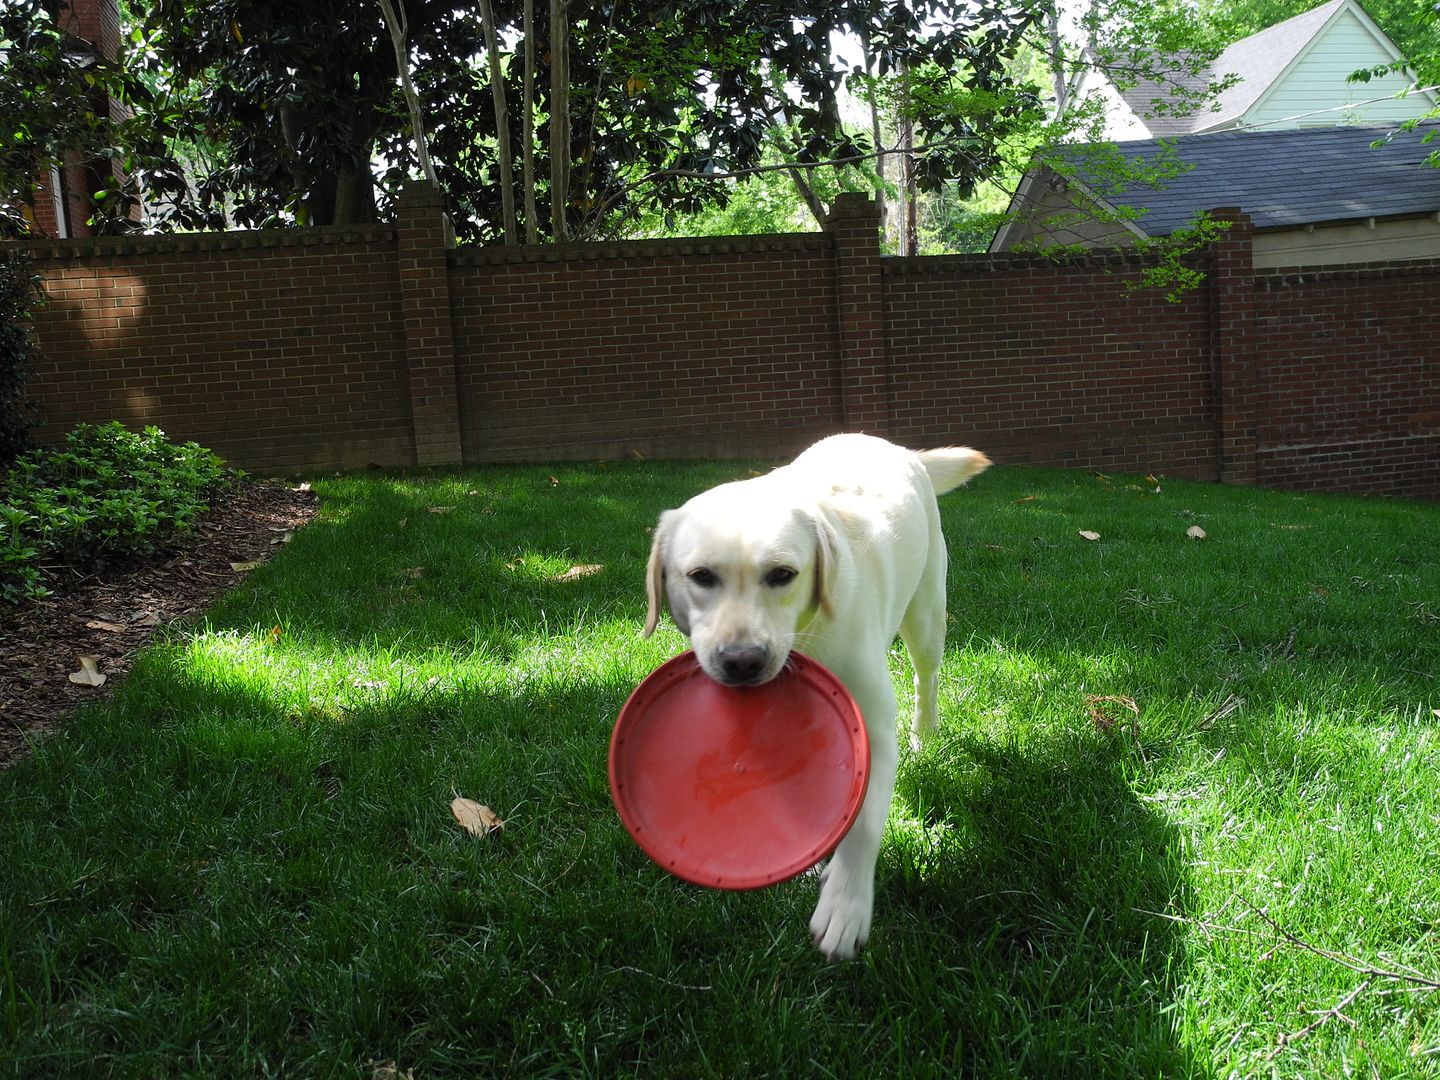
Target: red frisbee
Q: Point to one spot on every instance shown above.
(739, 787)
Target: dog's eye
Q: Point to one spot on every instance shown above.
(704, 577)
(780, 576)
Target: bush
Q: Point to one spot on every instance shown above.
(109, 494)
(19, 295)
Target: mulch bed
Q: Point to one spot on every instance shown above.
(114, 612)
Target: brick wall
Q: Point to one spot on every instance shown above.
(278, 350)
(1352, 379)
(695, 348)
(1050, 364)
(340, 348)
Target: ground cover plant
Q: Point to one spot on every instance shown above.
(1181, 817)
(108, 493)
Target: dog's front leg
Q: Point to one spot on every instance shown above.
(841, 923)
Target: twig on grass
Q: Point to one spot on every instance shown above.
(1335, 1012)
(1344, 960)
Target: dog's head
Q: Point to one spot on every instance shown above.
(742, 575)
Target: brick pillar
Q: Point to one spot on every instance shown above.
(423, 238)
(1232, 311)
(854, 223)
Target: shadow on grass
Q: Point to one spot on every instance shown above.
(202, 872)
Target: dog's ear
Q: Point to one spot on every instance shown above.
(655, 576)
(826, 552)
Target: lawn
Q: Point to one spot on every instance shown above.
(1182, 816)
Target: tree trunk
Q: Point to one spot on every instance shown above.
(506, 165)
(559, 119)
(527, 127)
(399, 34)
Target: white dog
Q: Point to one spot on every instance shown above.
(833, 555)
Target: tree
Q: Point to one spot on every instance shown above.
(624, 107)
(63, 105)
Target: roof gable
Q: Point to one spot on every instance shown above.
(1299, 66)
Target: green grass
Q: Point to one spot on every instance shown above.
(245, 865)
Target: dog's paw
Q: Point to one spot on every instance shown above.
(841, 923)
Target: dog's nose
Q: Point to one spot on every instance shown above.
(743, 663)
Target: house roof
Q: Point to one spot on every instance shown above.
(1257, 62)
(1286, 178)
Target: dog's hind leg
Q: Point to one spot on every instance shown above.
(923, 631)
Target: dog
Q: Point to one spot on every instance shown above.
(832, 555)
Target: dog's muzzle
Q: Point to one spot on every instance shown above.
(742, 665)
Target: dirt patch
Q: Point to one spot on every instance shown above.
(110, 615)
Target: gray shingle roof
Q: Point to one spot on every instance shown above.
(1283, 178)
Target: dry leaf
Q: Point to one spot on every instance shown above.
(1025, 499)
(575, 572)
(102, 624)
(283, 538)
(636, 455)
(440, 509)
(1100, 716)
(148, 618)
(1195, 532)
(1088, 535)
(89, 673)
(303, 487)
(475, 818)
(244, 567)
(412, 571)
(275, 633)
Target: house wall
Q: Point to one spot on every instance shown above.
(1378, 240)
(341, 348)
(1318, 80)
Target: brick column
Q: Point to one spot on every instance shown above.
(423, 238)
(854, 223)
(1232, 312)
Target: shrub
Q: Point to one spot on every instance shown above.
(19, 295)
(108, 494)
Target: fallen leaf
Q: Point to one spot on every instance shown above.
(148, 618)
(1025, 499)
(402, 522)
(283, 538)
(303, 487)
(1088, 535)
(1100, 716)
(1195, 532)
(576, 572)
(636, 455)
(102, 624)
(275, 633)
(475, 818)
(554, 481)
(89, 673)
(245, 567)
(440, 509)
(412, 571)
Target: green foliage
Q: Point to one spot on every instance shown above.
(108, 494)
(19, 294)
(61, 104)
(663, 100)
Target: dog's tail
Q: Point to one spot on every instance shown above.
(951, 466)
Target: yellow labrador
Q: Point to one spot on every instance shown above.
(833, 555)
